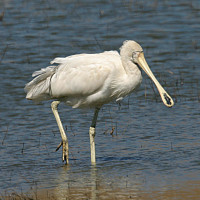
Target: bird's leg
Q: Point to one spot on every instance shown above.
(64, 143)
(92, 135)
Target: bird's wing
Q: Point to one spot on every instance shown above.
(86, 58)
(83, 74)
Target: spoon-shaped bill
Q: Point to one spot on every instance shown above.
(167, 100)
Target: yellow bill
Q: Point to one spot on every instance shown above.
(167, 100)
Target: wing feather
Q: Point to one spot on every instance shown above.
(75, 77)
(82, 74)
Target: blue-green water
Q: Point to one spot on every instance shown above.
(152, 146)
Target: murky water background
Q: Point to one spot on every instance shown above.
(152, 148)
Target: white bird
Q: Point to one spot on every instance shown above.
(89, 81)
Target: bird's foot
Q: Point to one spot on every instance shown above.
(65, 151)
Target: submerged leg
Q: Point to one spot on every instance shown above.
(92, 135)
(64, 143)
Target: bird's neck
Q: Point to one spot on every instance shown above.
(129, 67)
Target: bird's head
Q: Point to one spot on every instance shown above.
(134, 52)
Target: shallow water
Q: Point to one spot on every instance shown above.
(153, 148)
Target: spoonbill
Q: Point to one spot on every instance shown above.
(89, 81)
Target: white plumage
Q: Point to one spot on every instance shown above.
(84, 80)
(91, 80)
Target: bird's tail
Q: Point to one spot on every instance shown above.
(39, 88)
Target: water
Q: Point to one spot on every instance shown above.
(153, 148)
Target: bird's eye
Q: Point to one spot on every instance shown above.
(134, 54)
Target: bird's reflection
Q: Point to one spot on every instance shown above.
(75, 185)
(91, 182)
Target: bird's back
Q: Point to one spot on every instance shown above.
(75, 78)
